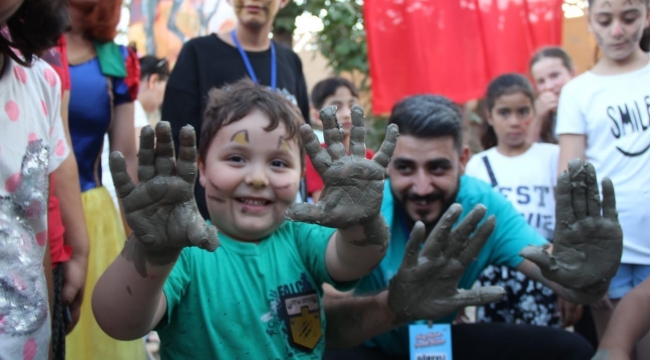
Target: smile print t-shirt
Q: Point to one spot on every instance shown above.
(613, 112)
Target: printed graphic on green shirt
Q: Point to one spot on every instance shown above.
(298, 314)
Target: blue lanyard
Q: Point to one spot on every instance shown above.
(249, 67)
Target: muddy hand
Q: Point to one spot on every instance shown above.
(161, 209)
(354, 185)
(425, 287)
(588, 242)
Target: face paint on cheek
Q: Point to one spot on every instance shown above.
(215, 188)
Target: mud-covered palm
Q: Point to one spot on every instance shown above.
(588, 240)
(354, 185)
(161, 209)
(425, 287)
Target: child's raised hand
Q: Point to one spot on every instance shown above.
(161, 209)
(354, 185)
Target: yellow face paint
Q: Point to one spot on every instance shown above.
(240, 137)
(283, 144)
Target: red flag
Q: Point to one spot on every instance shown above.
(452, 47)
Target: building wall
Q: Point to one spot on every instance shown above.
(579, 43)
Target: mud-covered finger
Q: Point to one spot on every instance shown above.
(440, 237)
(187, 167)
(477, 241)
(385, 153)
(358, 133)
(146, 154)
(165, 162)
(121, 179)
(332, 133)
(320, 159)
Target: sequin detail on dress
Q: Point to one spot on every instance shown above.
(23, 294)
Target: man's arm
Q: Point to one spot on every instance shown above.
(353, 320)
(532, 271)
(628, 324)
(423, 288)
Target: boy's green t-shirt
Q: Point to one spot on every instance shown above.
(249, 301)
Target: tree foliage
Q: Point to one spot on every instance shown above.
(342, 41)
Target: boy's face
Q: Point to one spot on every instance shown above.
(257, 13)
(343, 100)
(250, 177)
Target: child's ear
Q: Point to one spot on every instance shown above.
(314, 114)
(201, 166)
(488, 117)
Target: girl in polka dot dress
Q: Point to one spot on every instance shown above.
(32, 145)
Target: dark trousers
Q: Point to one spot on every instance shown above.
(58, 315)
(587, 328)
(497, 341)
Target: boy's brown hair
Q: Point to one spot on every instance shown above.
(233, 102)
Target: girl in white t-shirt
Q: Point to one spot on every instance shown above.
(32, 145)
(525, 173)
(604, 117)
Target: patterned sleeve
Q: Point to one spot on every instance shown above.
(51, 104)
(58, 59)
(125, 90)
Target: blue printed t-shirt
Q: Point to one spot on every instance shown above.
(249, 301)
(509, 237)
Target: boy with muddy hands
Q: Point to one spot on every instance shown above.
(256, 292)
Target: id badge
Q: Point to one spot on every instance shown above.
(430, 343)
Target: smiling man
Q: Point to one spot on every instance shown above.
(426, 178)
(217, 59)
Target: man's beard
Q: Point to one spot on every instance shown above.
(434, 196)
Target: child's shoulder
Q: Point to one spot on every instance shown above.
(40, 76)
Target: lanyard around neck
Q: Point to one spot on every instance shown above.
(249, 67)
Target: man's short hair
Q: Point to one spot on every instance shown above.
(233, 102)
(428, 116)
(326, 88)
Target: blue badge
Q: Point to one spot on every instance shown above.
(430, 343)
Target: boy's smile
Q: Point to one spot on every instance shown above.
(251, 176)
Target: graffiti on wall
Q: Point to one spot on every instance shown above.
(160, 27)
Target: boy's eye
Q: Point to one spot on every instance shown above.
(504, 112)
(235, 158)
(278, 163)
(524, 111)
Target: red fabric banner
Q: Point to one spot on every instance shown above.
(452, 47)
